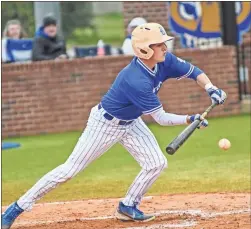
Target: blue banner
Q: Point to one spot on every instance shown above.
(199, 23)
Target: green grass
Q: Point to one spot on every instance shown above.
(109, 28)
(199, 166)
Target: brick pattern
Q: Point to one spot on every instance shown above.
(245, 60)
(47, 97)
(151, 11)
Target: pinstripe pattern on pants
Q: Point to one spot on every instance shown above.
(99, 135)
(143, 146)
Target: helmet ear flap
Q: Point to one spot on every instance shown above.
(148, 52)
(143, 52)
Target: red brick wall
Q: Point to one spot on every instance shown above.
(45, 97)
(245, 60)
(151, 11)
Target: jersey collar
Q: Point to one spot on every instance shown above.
(147, 69)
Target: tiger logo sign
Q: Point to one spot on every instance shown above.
(198, 23)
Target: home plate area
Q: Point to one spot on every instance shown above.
(193, 211)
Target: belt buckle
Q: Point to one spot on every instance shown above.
(108, 117)
(124, 123)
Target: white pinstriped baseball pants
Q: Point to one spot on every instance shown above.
(100, 134)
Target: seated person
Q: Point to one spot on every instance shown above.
(127, 45)
(47, 44)
(13, 31)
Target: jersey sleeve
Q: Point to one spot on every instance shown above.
(178, 68)
(143, 98)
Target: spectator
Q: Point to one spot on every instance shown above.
(127, 45)
(47, 44)
(13, 30)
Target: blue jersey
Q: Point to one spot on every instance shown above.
(134, 91)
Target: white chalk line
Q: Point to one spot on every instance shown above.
(233, 212)
(185, 223)
(177, 212)
(82, 201)
(203, 214)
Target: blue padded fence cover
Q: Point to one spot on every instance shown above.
(10, 145)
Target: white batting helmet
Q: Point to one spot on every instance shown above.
(145, 35)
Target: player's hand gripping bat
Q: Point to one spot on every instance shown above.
(186, 133)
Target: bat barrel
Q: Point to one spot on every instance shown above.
(170, 150)
(185, 134)
(181, 138)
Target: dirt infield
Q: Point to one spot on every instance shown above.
(196, 211)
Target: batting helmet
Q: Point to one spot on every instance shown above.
(145, 35)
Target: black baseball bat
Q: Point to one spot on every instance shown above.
(186, 133)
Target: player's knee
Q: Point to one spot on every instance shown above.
(162, 164)
(68, 171)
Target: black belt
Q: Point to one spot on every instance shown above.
(110, 117)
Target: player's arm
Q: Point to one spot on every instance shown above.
(143, 97)
(217, 95)
(178, 68)
(169, 119)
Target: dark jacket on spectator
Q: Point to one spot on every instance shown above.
(47, 48)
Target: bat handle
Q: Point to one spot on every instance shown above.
(208, 110)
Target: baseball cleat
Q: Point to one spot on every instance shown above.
(131, 213)
(9, 216)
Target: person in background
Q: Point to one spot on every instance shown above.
(48, 45)
(127, 45)
(13, 30)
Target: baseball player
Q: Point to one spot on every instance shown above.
(117, 119)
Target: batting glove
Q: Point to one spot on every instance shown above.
(202, 125)
(217, 95)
